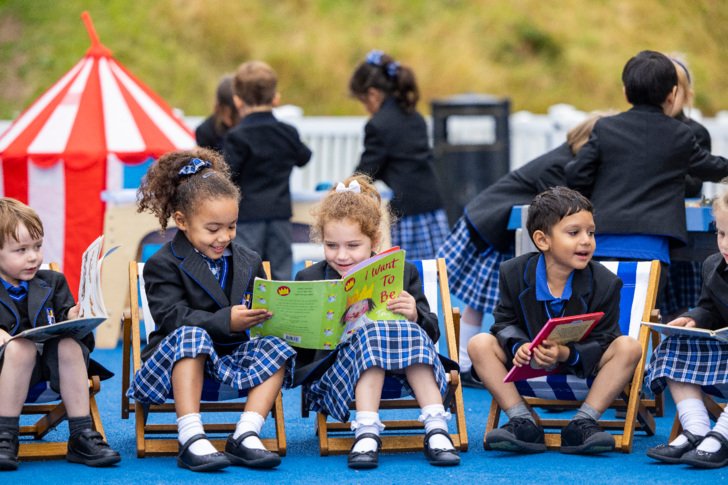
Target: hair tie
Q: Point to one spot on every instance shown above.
(194, 166)
(685, 68)
(391, 69)
(353, 187)
(375, 57)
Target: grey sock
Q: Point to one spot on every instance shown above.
(76, 425)
(520, 410)
(587, 412)
(10, 424)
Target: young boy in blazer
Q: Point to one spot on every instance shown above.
(559, 280)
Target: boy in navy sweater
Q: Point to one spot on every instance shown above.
(262, 152)
(559, 280)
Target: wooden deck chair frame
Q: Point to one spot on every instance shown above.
(51, 415)
(148, 442)
(639, 410)
(329, 433)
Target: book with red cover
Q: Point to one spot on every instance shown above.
(562, 330)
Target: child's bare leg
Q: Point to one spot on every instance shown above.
(74, 378)
(368, 394)
(489, 361)
(187, 378)
(421, 379)
(258, 405)
(18, 362)
(616, 369)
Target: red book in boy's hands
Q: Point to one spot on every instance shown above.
(561, 330)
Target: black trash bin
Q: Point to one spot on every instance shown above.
(471, 146)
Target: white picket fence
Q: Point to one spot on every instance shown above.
(336, 141)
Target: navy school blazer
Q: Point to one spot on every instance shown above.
(182, 290)
(519, 316)
(711, 311)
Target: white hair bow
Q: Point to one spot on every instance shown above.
(353, 187)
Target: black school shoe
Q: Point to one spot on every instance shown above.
(89, 448)
(519, 435)
(706, 459)
(673, 454)
(365, 459)
(440, 457)
(8, 450)
(585, 436)
(200, 463)
(239, 454)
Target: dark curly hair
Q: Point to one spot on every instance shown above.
(164, 191)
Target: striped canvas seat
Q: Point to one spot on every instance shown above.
(635, 278)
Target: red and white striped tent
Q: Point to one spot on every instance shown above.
(71, 144)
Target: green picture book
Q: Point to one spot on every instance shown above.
(320, 314)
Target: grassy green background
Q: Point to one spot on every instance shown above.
(537, 52)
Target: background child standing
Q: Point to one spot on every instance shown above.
(211, 132)
(397, 151)
(198, 286)
(480, 240)
(685, 363)
(31, 297)
(348, 224)
(262, 152)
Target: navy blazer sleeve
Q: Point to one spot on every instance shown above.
(374, 159)
(508, 328)
(581, 172)
(706, 314)
(236, 153)
(171, 307)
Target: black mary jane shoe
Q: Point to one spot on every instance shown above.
(440, 457)
(673, 454)
(9, 444)
(200, 463)
(362, 460)
(239, 454)
(706, 459)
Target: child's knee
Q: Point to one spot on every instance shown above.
(20, 352)
(628, 348)
(69, 349)
(481, 346)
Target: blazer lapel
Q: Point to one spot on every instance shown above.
(242, 274)
(196, 268)
(38, 293)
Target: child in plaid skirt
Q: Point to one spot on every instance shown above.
(198, 287)
(685, 364)
(348, 222)
(481, 241)
(397, 151)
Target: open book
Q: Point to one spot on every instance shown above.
(320, 314)
(92, 312)
(669, 330)
(561, 330)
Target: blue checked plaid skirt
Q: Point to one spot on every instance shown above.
(388, 344)
(693, 360)
(421, 235)
(249, 365)
(473, 276)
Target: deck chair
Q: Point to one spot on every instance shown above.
(400, 434)
(44, 402)
(560, 391)
(216, 397)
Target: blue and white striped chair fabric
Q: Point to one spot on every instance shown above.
(635, 277)
(212, 391)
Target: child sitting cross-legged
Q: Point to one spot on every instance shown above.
(559, 280)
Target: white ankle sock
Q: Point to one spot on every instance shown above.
(468, 330)
(711, 444)
(190, 425)
(366, 422)
(693, 417)
(250, 421)
(434, 416)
